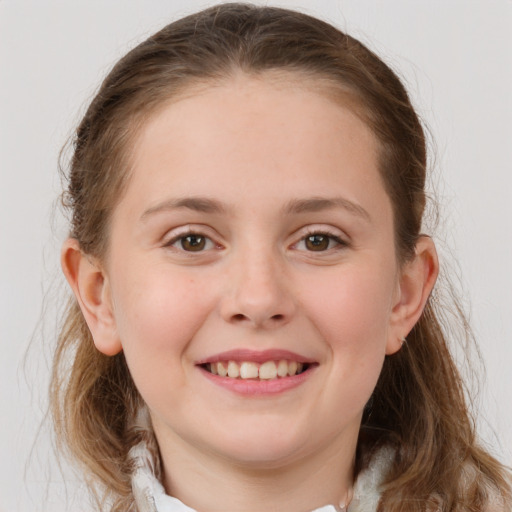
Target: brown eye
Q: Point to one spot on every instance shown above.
(193, 243)
(190, 242)
(317, 242)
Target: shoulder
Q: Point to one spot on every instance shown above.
(368, 485)
(367, 488)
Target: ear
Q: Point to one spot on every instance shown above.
(92, 291)
(416, 281)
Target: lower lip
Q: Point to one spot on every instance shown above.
(253, 387)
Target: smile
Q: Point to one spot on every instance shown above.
(257, 373)
(267, 370)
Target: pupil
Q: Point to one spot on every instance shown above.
(317, 242)
(193, 243)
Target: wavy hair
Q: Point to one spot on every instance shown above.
(419, 405)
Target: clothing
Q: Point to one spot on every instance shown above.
(150, 495)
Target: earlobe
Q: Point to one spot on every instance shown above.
(417, 280)
(92, 291)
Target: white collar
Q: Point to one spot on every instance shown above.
(150, 495)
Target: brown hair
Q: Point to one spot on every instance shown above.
(419, 404)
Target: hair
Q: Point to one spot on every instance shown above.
(419, 405)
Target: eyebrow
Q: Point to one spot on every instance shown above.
(309, 205)
(198, 204)
(317, 204)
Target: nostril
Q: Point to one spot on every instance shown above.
(240, 317)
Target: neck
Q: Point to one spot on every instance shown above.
(300, 483)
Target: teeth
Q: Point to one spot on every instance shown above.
(268, 370)
(249, 370)
(282, 368)
(233, 370)
(222, 370)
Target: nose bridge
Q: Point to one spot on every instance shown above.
(259, 293)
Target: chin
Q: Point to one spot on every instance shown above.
(265, 447)
(263, 456)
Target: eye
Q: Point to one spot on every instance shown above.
(191, 242)
(320, 242)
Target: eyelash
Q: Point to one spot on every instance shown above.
(340, 243)
(182, 237)
(205, 241)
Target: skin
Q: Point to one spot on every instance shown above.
(260, 149)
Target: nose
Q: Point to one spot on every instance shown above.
(259, 293)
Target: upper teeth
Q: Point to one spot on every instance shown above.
(249, 370)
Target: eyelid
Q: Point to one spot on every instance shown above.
(174, 235)
(318, 229)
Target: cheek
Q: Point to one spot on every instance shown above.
(356, 301)
(351, 311)
(157, 314)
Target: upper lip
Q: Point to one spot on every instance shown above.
(255, 356)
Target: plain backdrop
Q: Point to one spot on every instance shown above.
(455, 57)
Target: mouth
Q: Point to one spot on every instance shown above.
(254, 373)
(251, 370)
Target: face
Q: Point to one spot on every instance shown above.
(255, 237)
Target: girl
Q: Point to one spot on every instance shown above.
(253, 324)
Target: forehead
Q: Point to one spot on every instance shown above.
(257, 104)
(256, 94)
(268, 134)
